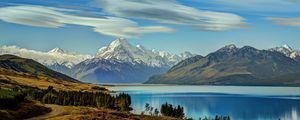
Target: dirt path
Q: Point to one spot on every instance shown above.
(56, 110)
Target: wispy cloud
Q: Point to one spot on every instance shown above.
(252, 6)
(51, 17)
(285, 21)
(172, 12)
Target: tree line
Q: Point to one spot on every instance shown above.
(10, 98)
(121, 101)
(166, 110)
(176, 111)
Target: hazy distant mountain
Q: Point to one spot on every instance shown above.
(56, 59)
(288, 51)
(121, 62)
(233, 66)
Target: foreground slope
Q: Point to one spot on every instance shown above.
(234, 66)
(17, 71)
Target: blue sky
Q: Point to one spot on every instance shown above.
(198, 26)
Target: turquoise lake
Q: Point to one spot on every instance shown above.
(239, 102)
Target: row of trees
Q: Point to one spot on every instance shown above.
(121, 101)
(10, 98)
(168, 110)
(178, 112)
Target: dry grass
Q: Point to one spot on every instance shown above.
(42, 82)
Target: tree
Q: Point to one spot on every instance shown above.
(156, 112)
(147, 107)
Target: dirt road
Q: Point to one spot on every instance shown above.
(56, 110)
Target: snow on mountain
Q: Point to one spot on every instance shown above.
(57, 50)
(121, 50)
(55, 56)
(288, 51)
(121, 62)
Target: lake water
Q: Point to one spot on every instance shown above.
(240, 103)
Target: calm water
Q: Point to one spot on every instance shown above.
(240, 103)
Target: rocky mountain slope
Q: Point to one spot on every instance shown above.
(233, 66)
(288, 51)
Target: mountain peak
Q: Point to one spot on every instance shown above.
(57, 50)
(118, 42)
(229, 47)
(286, 46)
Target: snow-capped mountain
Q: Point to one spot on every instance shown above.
(121, 50)
(288, 51)
(172, 59)
(233, 66)
(118, 62)
(121, 62)
(56, 59)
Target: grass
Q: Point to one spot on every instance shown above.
(11, 78)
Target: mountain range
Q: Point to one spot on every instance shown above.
(122, 62)
(56, 59)
(236, 66)
(119, 62)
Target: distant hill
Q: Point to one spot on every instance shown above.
(234, 66)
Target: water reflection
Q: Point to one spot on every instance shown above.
(237, 106)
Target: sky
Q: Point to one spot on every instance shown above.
(198, 26)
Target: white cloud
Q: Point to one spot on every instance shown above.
(54, 17)
(250, 6)
(285, 21)
(172, 12)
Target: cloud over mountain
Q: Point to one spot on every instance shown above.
(172, 12)
(52, 17)
(285, 21)
(54, 56)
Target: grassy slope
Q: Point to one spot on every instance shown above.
(42, 82)
(31, 67)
